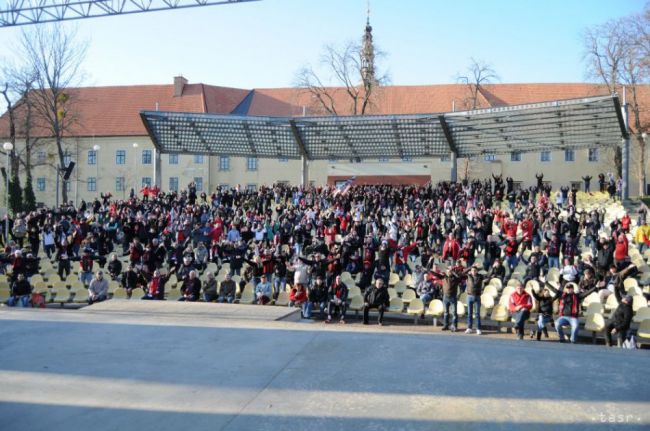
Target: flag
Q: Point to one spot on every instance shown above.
(344, 187)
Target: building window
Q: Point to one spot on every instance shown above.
(173, 184)
(119, 184)
(67, 158)
(224, 187)
(515, 156)
(146, 157)
(251, 163)
(92, 157)
(173, 158)
(91, 184)
(68, 185)
(516, 185)
(545, 156)
(489, 157)
(407, 159)
(41, 156)
(40, 184)
(383, 160)
(332, 160)
(446, 158)
(146, 181)
(577, 185)
(594, 156)
(224, 163)
(251, 187)
(283, 159)
(198, 182)
(120, 157)
(198, 159)
(569, 156)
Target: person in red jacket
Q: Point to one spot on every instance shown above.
(527, 227)
(620, 252)
(520, 304)
(297, 296)
(451, 249)
(401, 257)
(625, 223)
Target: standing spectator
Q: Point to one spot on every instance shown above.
(451, 281)
(338, 296)
(587, 180)
(474, 289)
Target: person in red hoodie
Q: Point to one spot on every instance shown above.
(297, 295)
(520, 304)
(620, 252)
(451, 248)
(625, 223)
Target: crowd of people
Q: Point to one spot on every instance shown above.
(459, 234)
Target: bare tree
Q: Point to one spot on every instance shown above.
(54, 55)
(477, 74)
(354, 92)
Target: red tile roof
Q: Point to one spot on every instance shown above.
(114, 111)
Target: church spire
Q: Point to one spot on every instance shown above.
(367, 53)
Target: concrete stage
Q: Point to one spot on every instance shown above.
(136, 365)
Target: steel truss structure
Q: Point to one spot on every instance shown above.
(24, 12)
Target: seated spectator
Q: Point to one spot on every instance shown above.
(156, 285)
(545, 316)
(210, 288)
(191, 288)
(227, 290)
(569, 309)
(376, 297)
(520, 304)
(620, 322)
(317, 297)
(263, 291)
(98, 288)
(114, 267)
(21, 292)
(298, 297)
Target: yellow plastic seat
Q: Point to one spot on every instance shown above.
(611, 303)
(641, 314)
(532, 285)
(120, 293)
(507, 291)
(283, 299)
(63, 295)
(5, 293)
(396, 305)
(643, 333)
(594, 307)
(595, 323)
(408, 296)
(496, 282)
(491, 290)
(460, 309)
(463, 298)
(137, 293)
(356, 304)
(392, 293)
(416, 309)
(393, 279)
(247, 295)
(634, 290)
(487, 301)
(400, 287)
(353, 291)
(639, 301)
(591, 298)
(408, 280)
(80, 296)
(436, 309)
(500, 313)
(170, 294)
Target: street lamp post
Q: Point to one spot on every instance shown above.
(8, 146)
(135, 166)
(96, 148)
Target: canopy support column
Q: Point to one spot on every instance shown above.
(625, 152)
(304, 171)
(157, 174)
(452, 147)
(304, 155)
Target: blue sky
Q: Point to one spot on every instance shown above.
(263, 44)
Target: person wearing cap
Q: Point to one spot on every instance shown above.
(426, 289)
(98, 288)
(520, 304)
(620, 322)
(569, 309)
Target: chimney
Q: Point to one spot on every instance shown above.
(179, 83)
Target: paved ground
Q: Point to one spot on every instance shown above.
(127, 366)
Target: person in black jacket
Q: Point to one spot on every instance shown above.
(21, 291)
(376, 297)
(338, 296)
(317, 296)
(191, 288)
(114, 267)
(620, 321)
(545, 301)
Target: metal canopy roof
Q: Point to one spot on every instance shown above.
(564, 124)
